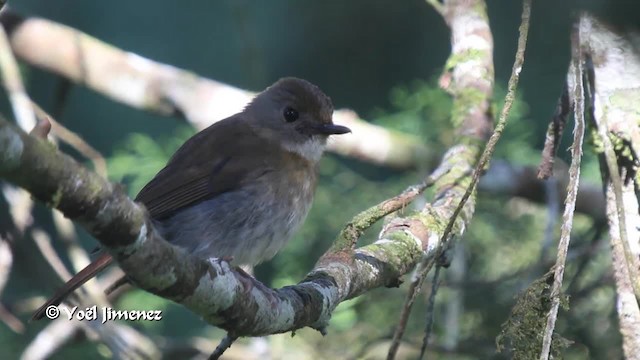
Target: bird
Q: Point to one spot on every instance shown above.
(240, 188)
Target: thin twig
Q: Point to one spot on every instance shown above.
(430, 311)
(360, 223)
(222, 347)
(572, 193)
(554, 134)
(412, 293)
(454, 307)
(482, 162)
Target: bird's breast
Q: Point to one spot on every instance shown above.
(250, 224)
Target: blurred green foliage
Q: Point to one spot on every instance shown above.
(139, 157)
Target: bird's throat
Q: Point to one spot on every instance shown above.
(310, 149)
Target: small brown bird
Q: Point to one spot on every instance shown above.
(240, 188)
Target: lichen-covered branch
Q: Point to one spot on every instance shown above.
(353, 230)
(167, 90)
(211, 289)
(616, 85)
(469, 77)
(554, 134)
(577, 94)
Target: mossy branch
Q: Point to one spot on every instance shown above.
(211, 288)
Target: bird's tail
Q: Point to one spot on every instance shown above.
(70, 286)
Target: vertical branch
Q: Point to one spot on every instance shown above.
(576, 80)
(504, 114)
(554, 134)
(472, 48)
(614, 82)
(435, 283)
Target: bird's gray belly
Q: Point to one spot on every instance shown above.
(237, 225)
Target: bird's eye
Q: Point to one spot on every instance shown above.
(291, 114)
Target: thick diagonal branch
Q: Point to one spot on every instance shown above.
(211, 289)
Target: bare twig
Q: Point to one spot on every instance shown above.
(414, 289)
(430, 311)
(576, 74)
(350, 234)
(554, 134)
(223, 346)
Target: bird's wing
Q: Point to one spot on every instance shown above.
(218, 159)
(207, 164)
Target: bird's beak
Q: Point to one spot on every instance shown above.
(331, 129)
